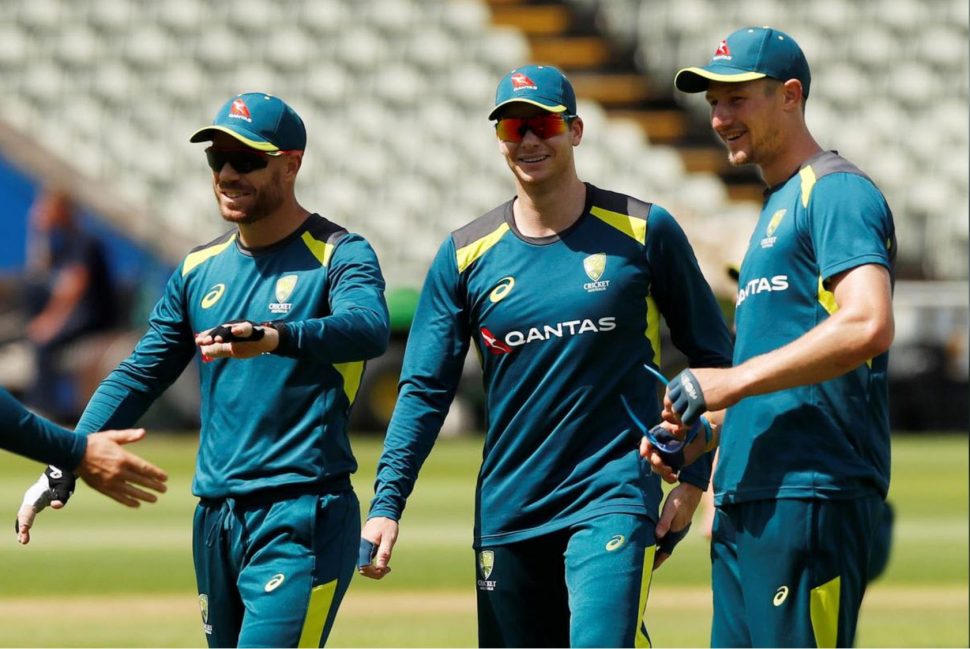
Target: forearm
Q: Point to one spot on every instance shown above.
(354, 334)
(836, 346)
(24, 433)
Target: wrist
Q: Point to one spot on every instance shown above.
(283, 337)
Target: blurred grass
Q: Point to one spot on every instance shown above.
(97, 574)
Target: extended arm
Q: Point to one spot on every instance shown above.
(861, 328)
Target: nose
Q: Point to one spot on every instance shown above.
(720, 117)
(227, 172)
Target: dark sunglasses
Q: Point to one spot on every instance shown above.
(513, 129)
(242, 160)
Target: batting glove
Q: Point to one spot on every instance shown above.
(669, 541)
(225, 331)
(688, 400)
(366, 553)
(53, 485)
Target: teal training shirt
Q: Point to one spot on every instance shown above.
(831, 439)
(562, 326)
(24, 433)
(279, 419)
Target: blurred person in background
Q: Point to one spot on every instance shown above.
(803, 465)
(561, 290)
(280, 313)
(69, 294)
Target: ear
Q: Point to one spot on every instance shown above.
(793, 93)
(293, 163)
(576, 130)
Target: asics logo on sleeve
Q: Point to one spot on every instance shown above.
(762, 285)
(504, 288)
(213, 295)
(615, 543)
(275, 582)
(780, 596)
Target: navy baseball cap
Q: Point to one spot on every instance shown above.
(748, 54)
(259, 121)
(540, 85)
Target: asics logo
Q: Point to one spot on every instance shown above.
(780, 596)
(504, 287)
(275, 582)
(213, 295)
(615, 543)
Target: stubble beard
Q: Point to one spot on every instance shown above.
(268, 199)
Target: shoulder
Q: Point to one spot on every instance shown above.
(205, 252)
(841, 179)
(325, 230)
(631, 216)
(473, 240)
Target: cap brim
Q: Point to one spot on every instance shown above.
(555, 108)
(208, 133)
(698, 79)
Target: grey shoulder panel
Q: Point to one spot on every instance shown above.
(481, 227)
(325, 230)
(831, 162)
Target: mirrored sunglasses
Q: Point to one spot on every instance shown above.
(513, 129)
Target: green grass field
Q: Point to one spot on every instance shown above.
(100, 575)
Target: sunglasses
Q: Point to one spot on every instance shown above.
(513, 129)
(242, 160)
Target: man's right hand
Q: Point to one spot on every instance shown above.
(106, 467)
(382, 532)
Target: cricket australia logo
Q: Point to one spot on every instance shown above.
(595, 266)
(204, 607)
(284, 288)
(486, 563)
(770, 238)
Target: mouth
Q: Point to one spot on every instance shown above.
(233, 194)
(532, 159)
(733, 136)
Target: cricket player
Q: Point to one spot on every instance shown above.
(98, 459)
(560, 290)
(804, 457)
(280, 314)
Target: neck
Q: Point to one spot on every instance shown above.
(792, 157)
(541, 211)
(274, 227)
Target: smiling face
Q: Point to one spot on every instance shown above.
(748, 118)
(535, 160)
(249, 197)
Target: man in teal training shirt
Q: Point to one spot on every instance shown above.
(280, 314)
(560, 290)
(804, 452)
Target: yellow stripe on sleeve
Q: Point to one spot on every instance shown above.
(824, 610)
(643, 637)
(826, 298)
(653, 329)
(352, 373)
(466, 255)
(631, 226)
(321, 598)
(194, 259)
(320, 249)
(808, 182)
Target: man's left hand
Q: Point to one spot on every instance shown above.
(239, 339)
